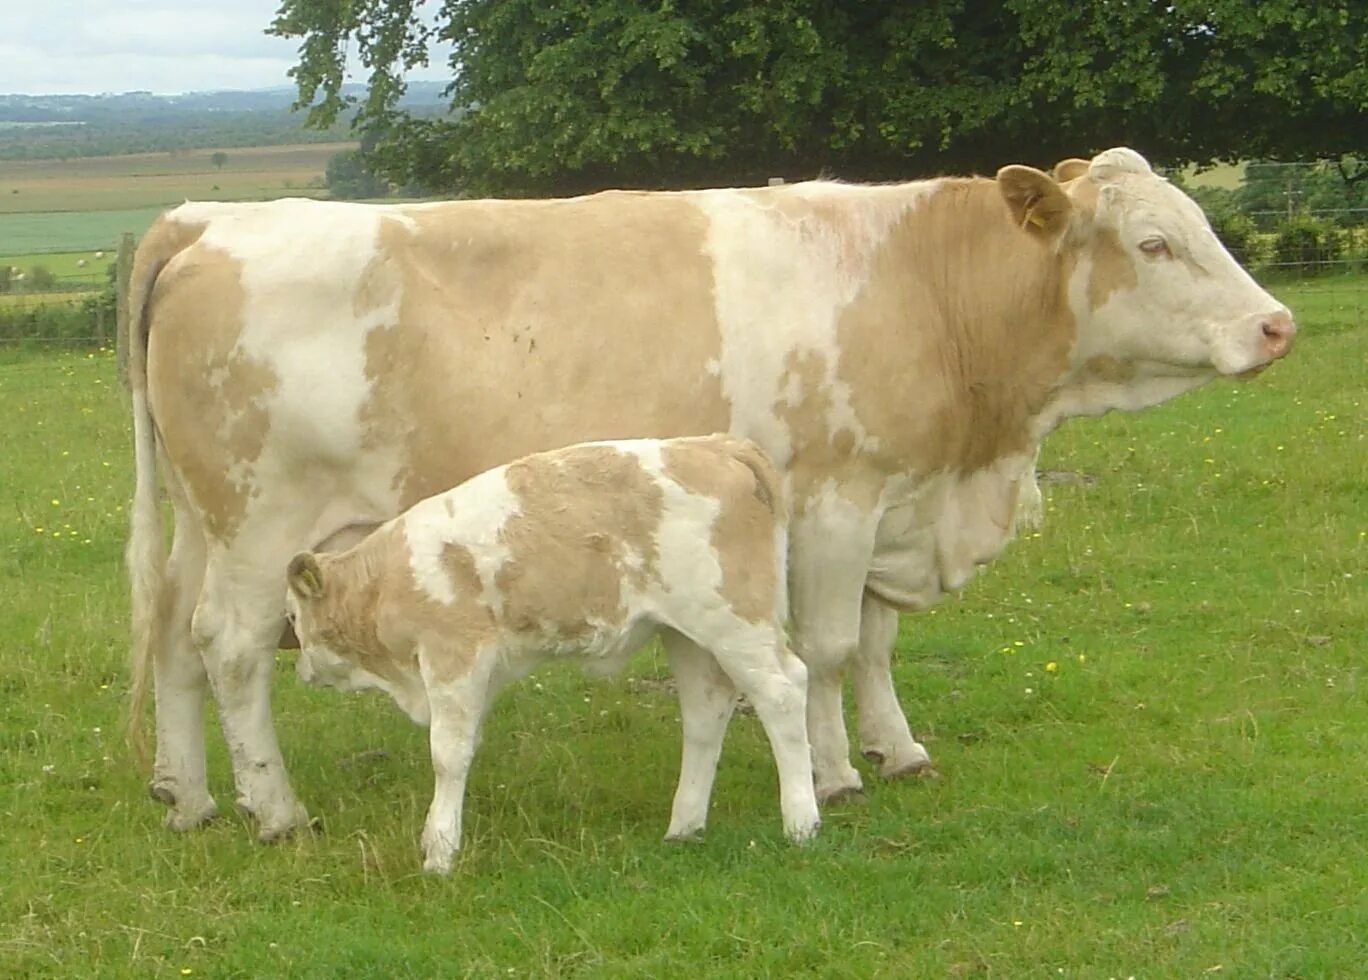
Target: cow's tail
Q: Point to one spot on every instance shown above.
(769, 489)
(145, 555)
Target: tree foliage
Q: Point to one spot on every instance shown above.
(562, 95)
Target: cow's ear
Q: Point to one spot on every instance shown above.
(1071, 169)
(305, 577)
(1038, 204)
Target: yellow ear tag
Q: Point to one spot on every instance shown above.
(311, 580)
(1036, 220)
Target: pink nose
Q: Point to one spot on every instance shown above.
(1278, 330)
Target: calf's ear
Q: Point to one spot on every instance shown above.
(1070, 169)
(305, 577)
(1038, 204)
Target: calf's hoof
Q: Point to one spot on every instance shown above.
(437, 866)
(803, 832)
(687, 835)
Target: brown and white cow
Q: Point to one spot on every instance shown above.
(588, 550)
(900, 351)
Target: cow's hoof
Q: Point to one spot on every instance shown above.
(182, 818)
(922, 770)
(283, 827)
(912, 761)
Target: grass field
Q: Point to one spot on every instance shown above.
(152, 179)
(71, 231)
(1183, 795)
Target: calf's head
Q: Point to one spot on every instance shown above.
(1155, 297)
(330, 653)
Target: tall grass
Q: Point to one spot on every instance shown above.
(1149, 719)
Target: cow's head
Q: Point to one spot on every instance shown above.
(1159, 305)
(328, 656)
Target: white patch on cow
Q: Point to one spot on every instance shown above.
(315, 343)
(473, 514)
(779, 287)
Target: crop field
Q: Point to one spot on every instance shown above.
(152, 179)
(1150, 720)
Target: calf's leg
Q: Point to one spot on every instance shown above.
(457, 702)
(707, 698)
(774, 681)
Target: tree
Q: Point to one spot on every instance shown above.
(349, 177)
(218, 158)
(564, 95)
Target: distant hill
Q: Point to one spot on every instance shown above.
(43, 127)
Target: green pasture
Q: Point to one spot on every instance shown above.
(67, 266)
(71, 231)
(1150, 720)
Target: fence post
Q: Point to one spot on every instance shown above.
(123, 272)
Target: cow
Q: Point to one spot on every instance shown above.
(900, 351)
(588, 550)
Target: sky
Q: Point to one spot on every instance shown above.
(52, 47)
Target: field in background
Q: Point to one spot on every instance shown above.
(86, 204)
(70, 231)
(1182, 795)
(159, 179)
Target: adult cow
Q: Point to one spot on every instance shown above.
(301, 368)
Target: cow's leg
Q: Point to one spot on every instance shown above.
(237, 625)
(707, 698)
(774, 681)
(179, 776)
(457, 705)
(884, 736)
(829, 562)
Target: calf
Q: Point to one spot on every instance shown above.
(586, 550)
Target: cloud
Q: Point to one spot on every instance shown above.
(163, 46)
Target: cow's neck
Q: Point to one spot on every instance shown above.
(985, 327)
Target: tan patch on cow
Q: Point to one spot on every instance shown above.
(528, 325)
(1112, 269)
(208, 397)
(375, 614)
(744, 484)
(166, 239)
(960, 336)
(587, 525)
(346, 618)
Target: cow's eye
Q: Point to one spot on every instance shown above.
(1155, 247)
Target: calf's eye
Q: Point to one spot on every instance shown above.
(1155, 247)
